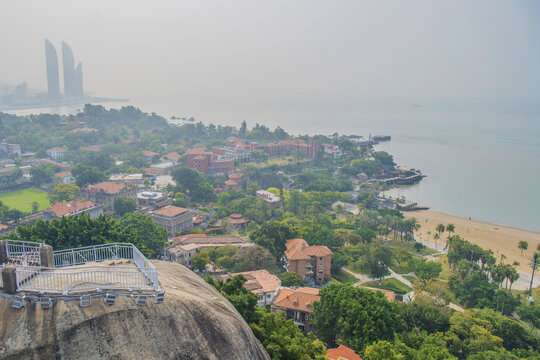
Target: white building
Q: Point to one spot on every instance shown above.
(56, 152)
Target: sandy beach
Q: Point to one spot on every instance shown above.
(500, 239)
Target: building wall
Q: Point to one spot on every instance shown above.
(181, 222)
(321, 268)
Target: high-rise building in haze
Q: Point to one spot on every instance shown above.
(73, 87)
(53, 79)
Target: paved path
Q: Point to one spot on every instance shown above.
(362, 279)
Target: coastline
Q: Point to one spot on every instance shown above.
(501, 239)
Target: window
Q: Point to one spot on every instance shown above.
(320, 258)
(320, 266)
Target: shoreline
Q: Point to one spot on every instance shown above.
(499, 238)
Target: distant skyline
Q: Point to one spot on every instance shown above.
(216, 57)
(53, 76)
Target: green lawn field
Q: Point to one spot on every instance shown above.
(23, 199)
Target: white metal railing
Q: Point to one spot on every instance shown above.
(66, 278)
(23, 252)
(79, 256)
(84, 279)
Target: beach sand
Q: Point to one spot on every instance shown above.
(500, 239)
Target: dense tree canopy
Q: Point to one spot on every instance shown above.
(354, 316)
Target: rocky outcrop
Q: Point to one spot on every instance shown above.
(194, 322)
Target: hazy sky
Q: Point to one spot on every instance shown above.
(233, 48)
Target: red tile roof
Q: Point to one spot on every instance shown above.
(170, 211)
(63, 209)
(148, 153)
(259, 281)
(301, 299)
(107, 187)
(298, 249)
(63, 173)
(173, 156)
(342, 352)
(57, 149)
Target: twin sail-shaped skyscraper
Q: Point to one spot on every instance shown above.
(73, 84)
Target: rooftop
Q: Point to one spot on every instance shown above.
(298, 249)
(388, 293)
(107, 187)
(57, 149)
(170, 211)
(71, 207)
(301, 299)
(342, 352)
(259, 281)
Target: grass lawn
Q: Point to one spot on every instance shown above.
(356, 269)
(345, 278)
(446, 272)
(525, 295)
(390, 284)
(410, 278)
(23, 199)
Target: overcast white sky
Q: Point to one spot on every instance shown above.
(442, 49)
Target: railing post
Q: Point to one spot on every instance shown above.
(95, 254)
(3, 252)
(46, 256)
(9, 278)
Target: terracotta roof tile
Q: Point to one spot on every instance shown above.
(63, 209)
(301, 299)
(148, 153)
(259, 281)
(170, 211)
(342, 352)
(107, 187)
(172, 156)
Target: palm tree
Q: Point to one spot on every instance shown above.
(340, 209)
(523, 245)
(428, 235)
(436, 237)
(440, 229)
(450, 228)
(534, 266)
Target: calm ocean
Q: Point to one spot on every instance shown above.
(479, 165)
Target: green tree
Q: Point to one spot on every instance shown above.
(284, 341)
(382, 350)
(535, 264)
(200, 260)
(354, 316)
(64, 192)
(273, 235)
(469, 335)
(123, 205)
(193, 183)
(141, 226)
(242, 299)
(252, 258)
(450, 228)
(43, 174)
(35, 207)
(290, 278)
(425, 315)
(523, 245)
(87, 175)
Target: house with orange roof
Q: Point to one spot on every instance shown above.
(173, 218)
(297, 305)
(261, 283)
(66, 177)
(309, 262)
(172, 157)
(75, 207)
(342, 353)
(234, 182)
(209, 163)
(148, 155)
(106, 193)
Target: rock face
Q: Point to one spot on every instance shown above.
(194, 322)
